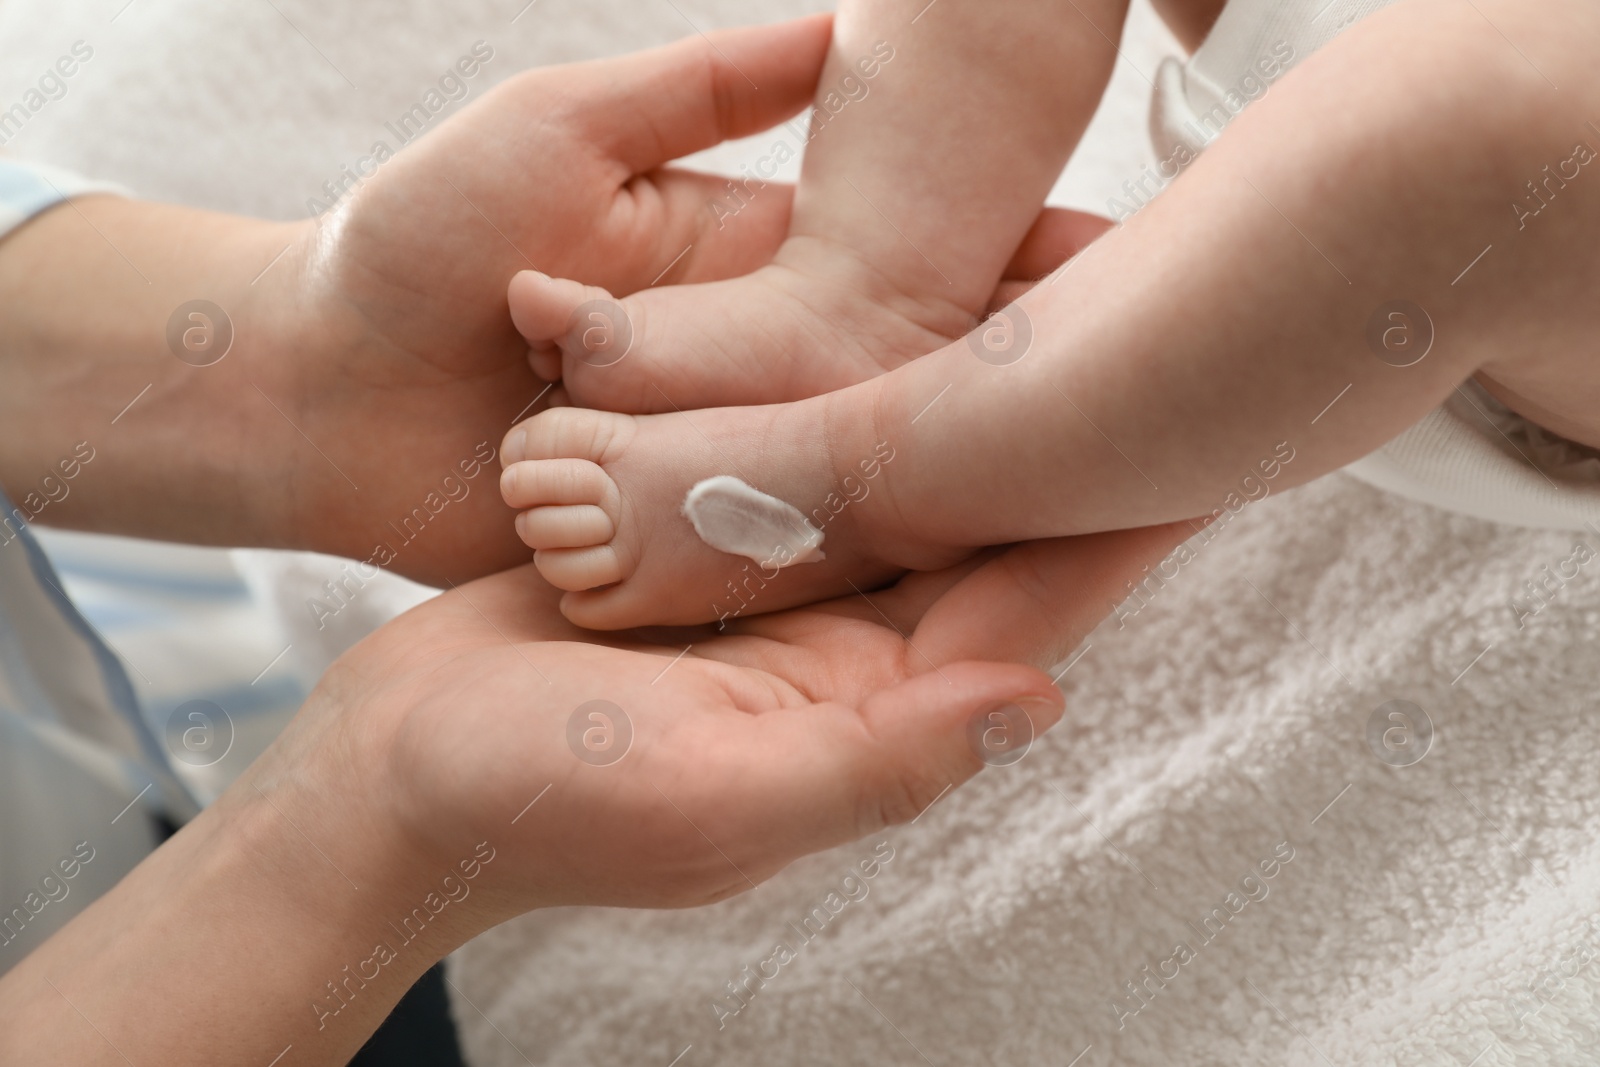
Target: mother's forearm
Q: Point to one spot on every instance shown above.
(287, 914)
(124, 405)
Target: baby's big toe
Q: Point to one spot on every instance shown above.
(541, 305)
(584, 321)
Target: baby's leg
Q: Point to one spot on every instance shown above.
(1234, 323)
(1250, 314)
(938, 130)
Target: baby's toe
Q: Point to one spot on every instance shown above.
(573, 526)
(549, 482)
(568, 504)
(545, 362)
(587, 323)
(577, 569)
(542, 306)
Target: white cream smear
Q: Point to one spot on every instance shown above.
(739, 519)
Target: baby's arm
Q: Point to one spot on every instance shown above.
(938, 130)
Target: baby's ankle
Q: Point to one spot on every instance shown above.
(872, 502)
(917, 294)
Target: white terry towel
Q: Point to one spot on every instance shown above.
(1437, 913)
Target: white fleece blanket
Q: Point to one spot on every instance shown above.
(1207, 863)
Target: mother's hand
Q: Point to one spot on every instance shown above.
(685, 766)
(409, 358)
(410, 370)
(365, 363)
(433, 786)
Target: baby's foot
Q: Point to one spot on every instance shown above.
(601, 497)
(814, 320)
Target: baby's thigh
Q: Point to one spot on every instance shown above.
(1492, 119)
(1443, 128)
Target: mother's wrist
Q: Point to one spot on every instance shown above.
(285, 909)
(227, 376)
(279, 312)
(348, 758)
(140, 339)
(314, 819)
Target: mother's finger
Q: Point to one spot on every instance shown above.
(1056, 236)
(1037, 601)
(904, 603)
(802, 779)
(714, 228)
(517, 604)
(647, 109)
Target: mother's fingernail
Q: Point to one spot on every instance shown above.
(1043, 711)
(1002, 734)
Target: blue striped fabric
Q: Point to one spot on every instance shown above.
(82, 777)
(29, 188)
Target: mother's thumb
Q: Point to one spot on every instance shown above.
(938, 729)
